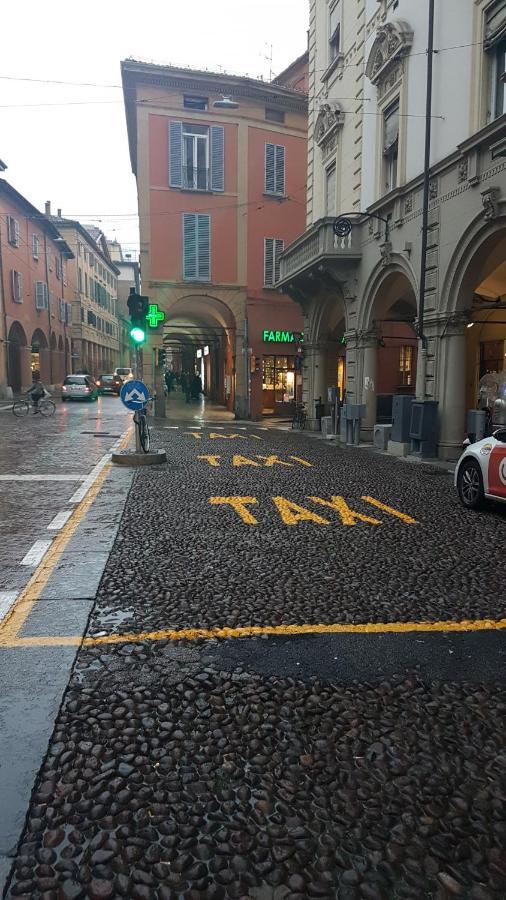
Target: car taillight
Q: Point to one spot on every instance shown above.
(98, 383)
(87, 390)
(64, 388)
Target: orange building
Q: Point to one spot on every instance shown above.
(36, 304)
(220, 163)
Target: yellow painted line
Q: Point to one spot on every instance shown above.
(196, 634)
(19, 612)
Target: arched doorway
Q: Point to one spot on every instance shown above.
(200, 335)
(473, 341)
(40, 355)
(387, 344)
(19, 372)
(324, 353)
(60, 364)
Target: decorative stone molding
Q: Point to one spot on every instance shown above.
(433, 189)
(393, 41)
(408, 204)
(489, 199)
(386, 252)
(330, 119)
(462, 170)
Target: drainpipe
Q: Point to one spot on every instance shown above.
(422, 361)
(48, 312)
(4, 351)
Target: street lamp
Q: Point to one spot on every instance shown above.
(226, 103)
(343, 225)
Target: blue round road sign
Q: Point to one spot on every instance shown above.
(134, 395)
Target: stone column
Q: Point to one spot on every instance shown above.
(241, 362)
(315, 377)
(369, 352)
(452, 388)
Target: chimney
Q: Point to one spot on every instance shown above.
(59, 213)
(48, 207)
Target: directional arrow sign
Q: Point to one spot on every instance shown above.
(134, 395)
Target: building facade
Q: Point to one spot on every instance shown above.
(360, 291)
(93, 285)
(129, 277)
(220, 163)
(35, 296)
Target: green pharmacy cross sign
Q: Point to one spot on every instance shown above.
(154, 315)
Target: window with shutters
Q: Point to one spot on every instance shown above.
(86, 285)
(275, 169)
(196, 247)
(17, 286)
(330, 190)
(273, 248)
(35, 246)
(13, 231)
(41, 295)
(390, 146)
(196, 157)
(79, 279)
(495, 47)
(57, 264)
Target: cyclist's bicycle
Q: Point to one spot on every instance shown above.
(142, 428)
(299, 416)
(22, 408)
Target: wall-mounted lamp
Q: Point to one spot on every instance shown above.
(226, 103)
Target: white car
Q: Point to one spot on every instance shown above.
(481, 471)
(125, 373)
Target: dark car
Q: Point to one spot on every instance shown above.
(109, 384)
(79, 387)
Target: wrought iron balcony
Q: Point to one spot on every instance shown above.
(319, 250)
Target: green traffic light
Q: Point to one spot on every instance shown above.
(137, 335)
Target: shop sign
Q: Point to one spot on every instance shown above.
(282, 337)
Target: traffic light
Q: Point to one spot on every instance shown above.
(138, 308)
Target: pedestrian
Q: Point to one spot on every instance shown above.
(168, 381)
(196, 386)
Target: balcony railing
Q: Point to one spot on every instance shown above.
(195, 179)
(317, 244)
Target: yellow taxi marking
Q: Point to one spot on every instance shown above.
(195, 434)
(212, 460)
(243, 461)
(239, 504)
(198, 634)
(273, 461)
(214, 436)
(292, 513)
(303, 462)
(348, 516)
(19, 612)
(408, 520)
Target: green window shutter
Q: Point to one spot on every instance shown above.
(189, 246)
(270, 165)
(217, 158)
(204, 247)
(268, 262)
(175, 154)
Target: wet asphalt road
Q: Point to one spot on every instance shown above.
(281, 766)
(56, 454)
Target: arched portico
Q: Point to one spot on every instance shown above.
(40, 355)
(19, 371)
(472, 318)
(324, 363)
(386, 342)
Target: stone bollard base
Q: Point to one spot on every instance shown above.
(130, 458)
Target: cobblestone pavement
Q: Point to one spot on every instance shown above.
(280, 764)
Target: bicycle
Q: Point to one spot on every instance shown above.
(142, 429)
(299, 417)
(21, 408)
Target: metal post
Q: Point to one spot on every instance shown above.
(420, 386)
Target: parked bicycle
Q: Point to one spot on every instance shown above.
(22, 408)
(142, 429)
(299, 416)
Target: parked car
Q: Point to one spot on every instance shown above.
(481, 471)
(109, 384)
(124, 373)
(79, 387)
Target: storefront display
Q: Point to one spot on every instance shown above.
(278, 381)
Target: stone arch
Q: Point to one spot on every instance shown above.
(19, 374)
(393, 40)
(472, 260)
(380, 278)
(40, 354)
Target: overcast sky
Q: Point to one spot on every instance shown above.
(72, 148)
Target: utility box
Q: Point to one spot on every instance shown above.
(382, 435)
(423, 427)
(327, 426)
(353, 413)
(401, 417)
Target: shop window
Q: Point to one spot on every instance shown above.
(278, 380)
(406, 365)
(495, 47)
(491, 357)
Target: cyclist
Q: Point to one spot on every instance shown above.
(37, 391)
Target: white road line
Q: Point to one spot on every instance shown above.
(81, 492)
(35, 553)
(7, 598)
(166, 427)
(59, 520)
(42, 477)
